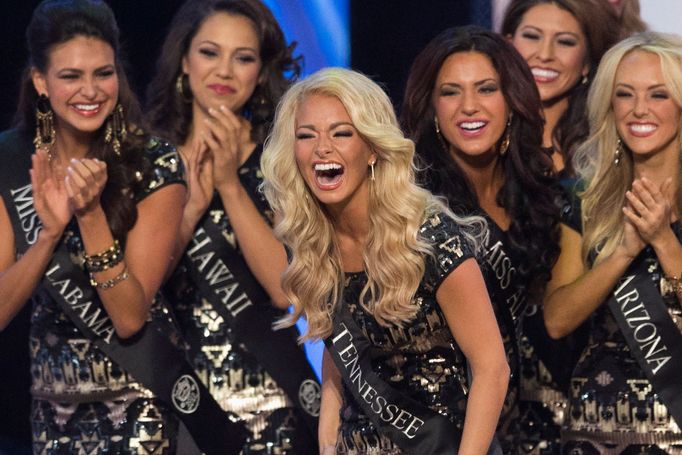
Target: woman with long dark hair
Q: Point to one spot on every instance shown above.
(472, 108)
(562, 41)
(86, 239)
(221, 71)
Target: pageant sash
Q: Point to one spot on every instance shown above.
(149, 356)
(653, 337)
(409, 424)
(225, 281)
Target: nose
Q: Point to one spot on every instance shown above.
(641, 107)
(324, 145)
(546, 51)
(89, 88)
(469, 102)
(225, 68)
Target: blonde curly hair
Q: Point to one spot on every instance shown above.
(394, 257)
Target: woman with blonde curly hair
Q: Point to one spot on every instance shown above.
(385, 273)
(623, 275)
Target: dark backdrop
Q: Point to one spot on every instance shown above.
(385, 37)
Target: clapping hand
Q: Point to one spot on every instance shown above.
(224, 136)
(50, 198)
(199, 180)
(85, 181)
(649, 210)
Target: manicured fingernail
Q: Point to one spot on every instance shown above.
(223, 108)
(211, 110)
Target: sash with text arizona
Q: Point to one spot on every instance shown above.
(225, 281)
(150, 357)
(653, 338)
(409, 424)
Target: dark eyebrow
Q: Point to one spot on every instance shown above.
(244, 48)
(80, 71)
(536, 29)
(476, 84)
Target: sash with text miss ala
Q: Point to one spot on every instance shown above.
(150, 357)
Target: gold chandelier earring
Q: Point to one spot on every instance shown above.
(116, 130)
(504, 145)
(45, 133)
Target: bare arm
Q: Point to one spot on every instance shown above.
(18, 279)
(465, 303)
(330, 405)
(225, 135)
(149, 243)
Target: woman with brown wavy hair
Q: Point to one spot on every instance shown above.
(221, 71)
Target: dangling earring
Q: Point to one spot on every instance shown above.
(504, 145)
(371, 166)
(180, 88)
(45, 133)
(441, 139)
(585, 80)
(116, 131)
(618, 154)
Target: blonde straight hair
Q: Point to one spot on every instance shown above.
(607, 182)
(394, 257)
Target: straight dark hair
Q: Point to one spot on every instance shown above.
(529, 191)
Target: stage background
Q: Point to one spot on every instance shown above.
(377, 37)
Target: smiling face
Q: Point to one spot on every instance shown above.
(331, 156)
(82, 84)
(553, 44)
(223, 62)
(469, 104)
(647, 118)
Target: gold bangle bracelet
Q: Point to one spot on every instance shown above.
(111, 282)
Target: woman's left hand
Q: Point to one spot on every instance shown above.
(224, 135)
(85, 181)
(650, 210)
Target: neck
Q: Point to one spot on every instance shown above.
(350, 222)
(485, 173)
(552, 110)
(658, 167)
(71, 145)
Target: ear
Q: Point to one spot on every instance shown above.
(586, 69)
(372, 159)
(184, 64)
(39, 82)
(509, 37)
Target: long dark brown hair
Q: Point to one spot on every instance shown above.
(58, 21)
(600, 26)
(529, 192)
(170, 112)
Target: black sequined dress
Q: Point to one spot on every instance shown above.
(83, 402)
(422, 359)
(230, 372)
(613, 407)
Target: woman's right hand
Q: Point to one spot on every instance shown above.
(199, 180)
(632, 243)
(50, 198)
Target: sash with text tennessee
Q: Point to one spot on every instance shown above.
(223, 277)
(149, 356)
(653, 338)
(409, 424)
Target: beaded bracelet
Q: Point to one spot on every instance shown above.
(111, 282)
(675, 283)
(105, 260)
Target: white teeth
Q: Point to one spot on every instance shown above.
(327, 166)
(643, 128)
(548, 74)
(87, 107)
(472, 125)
